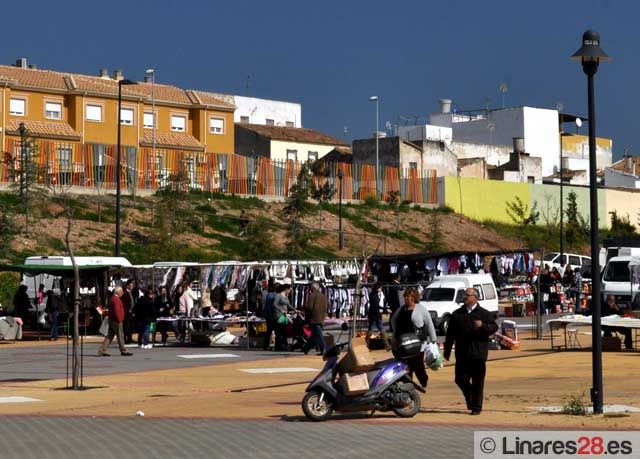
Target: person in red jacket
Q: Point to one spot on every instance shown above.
(116, 318)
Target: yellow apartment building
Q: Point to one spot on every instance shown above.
(73, 121)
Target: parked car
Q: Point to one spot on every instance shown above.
(571, 259)
(446, 294)
(616, 280)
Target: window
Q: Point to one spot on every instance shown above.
(313, 155)
(550, 256)
(480, 292)
(64, 165)
(439, 294)
(617, 271)
(244, 119)
(126, 116)
(53, 110)
(289, 124)
(489, 291)
(269, 122)
(413, 165)
(147, 120)
(94, 113)
(216, 125)
(178, 123)
(17, 106)
(574, 260)
(292, 155)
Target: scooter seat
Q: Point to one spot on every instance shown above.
(382, 363)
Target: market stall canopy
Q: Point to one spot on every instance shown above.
(55, 270)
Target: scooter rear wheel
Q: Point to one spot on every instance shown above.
(315, 409)
(412, 408)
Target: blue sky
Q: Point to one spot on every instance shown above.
(332, 55)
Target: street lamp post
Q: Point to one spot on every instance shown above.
(590, 54)
(118, 163)
(24, 189)
(340, 233)
(376, 100)
(152, 72)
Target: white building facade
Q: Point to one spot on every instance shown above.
(253, 110)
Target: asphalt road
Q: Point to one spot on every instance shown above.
(66, 437)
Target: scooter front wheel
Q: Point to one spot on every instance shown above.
(412, 407)
(317, 406)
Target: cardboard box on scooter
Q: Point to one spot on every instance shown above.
(357, 359)
(354, 384)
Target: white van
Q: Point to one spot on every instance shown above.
(616, 279)
(446, 294)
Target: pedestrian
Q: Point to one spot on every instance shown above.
(164, 308)
(611, 308)
(268, 313)
(413, 317)
(129, 303)
(315, 313)
(186, 309)
(470, 328)
(116, 320)
(395, 296)
(281, 306)
(52, 309)
(374, 314)
(21, 303)
(145, 315)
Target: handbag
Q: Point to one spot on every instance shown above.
(283, 319)
(104, 327)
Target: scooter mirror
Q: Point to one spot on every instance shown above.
(344, 326)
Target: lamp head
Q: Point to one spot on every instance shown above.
(590, 50)
(150, 71)
(373, 98)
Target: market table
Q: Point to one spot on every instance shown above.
(202, 325)
(578, 319)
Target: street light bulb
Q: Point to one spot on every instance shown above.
(149, 71)
(373, 98)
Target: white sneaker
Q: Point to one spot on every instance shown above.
(148, 346)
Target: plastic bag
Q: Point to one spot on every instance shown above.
(432, 357)
(104, 327)
(42, 316)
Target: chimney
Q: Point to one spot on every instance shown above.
(21, 63)
(117, 75)
(147, 78)
(518, 145)
(104, 73)
(628, 164)
(445, 105)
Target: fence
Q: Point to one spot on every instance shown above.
(93, 165)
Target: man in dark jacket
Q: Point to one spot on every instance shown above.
(116, 318)
(395, 295)
(470, 328)
(267, 312)
(315, 312)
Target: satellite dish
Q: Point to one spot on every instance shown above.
(504, 88)
(559, 106)
(578, 122)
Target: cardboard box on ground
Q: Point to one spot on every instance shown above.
(357, 359)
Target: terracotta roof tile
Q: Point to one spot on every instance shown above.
(47, 79)
(292, 134)
(176, 140)
(44, 129)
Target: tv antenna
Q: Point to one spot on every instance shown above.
(246, 89)
(504, 89)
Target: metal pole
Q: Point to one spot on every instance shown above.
(561, 204)
(378, 191)
(590, 68)
(153, 111)
(340, 233)
(117, 249)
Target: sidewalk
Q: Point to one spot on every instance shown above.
(516, 382)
